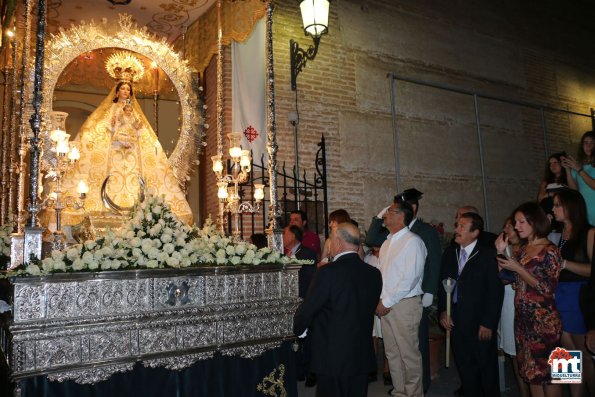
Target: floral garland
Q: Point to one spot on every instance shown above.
(154, 238)
(5, 242)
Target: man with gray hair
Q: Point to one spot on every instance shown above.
(338, 313)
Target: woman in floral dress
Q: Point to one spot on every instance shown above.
(537, 321)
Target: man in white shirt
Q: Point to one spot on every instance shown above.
(402, 259)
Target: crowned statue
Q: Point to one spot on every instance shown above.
(120, 155)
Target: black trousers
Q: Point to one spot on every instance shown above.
(342, 386)
(477, 362)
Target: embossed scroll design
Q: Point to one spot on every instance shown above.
(89, 36)
(273, 385)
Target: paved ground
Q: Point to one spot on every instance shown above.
(442, 386)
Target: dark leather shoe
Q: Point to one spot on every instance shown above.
(390, 391)
(459, 392)
(388, 381)
(310, 380)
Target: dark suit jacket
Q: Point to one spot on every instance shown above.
(480, 291)
(306, 273)
(430, 237)
(338, 312)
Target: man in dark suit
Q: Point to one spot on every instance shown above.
(338, 313)
(485, 237)
(477, 302)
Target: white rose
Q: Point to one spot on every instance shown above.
(106, 264)
(256, 261)
(107, 251)
(148, 217)
(162, 257)
(166, 237)
(152, 264)
(60, 266)
(93, 265)
(90, 244)
(57, 255)
(153, 253)
(173, 262)
(235, 260)
(130, 235)
(230, 250)
(241, 248)
(185, 262)
(88, 257)
(98, 255)
(73, 253)
(169, 248)
(33, 270)
(137, 253)
(220, 254)
(116, 264)
(78, 265)
(47, 265)
(135, 242)
(157, 209)
(221, 261)
(6, 251)
(207, 258)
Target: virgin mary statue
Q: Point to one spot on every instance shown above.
(120, 155)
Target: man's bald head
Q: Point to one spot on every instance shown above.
(464, 209)
(346, 237)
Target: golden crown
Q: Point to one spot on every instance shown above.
(123, 66)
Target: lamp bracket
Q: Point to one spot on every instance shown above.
(298, 58)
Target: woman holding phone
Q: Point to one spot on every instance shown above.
(537, 321)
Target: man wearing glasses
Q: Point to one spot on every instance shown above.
(402, 259)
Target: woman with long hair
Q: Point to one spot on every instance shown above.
(581, 172)
(554, 173)
(537, 321)
(576, 247)
(506, 340)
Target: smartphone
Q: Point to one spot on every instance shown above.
(501, 256)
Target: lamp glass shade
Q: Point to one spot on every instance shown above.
(222, 190)
(57, 135)
(315, 16)
(258, 191)
(74, 154)
(62, 148)
(235, 148)
(82, 188)
(217, 163)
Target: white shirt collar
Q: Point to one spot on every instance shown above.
(343, 253)
(412, 222)
(470, 248)
(398, 234)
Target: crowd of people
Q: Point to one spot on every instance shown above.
(524, 292)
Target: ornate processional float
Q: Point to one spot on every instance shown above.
(139, 286)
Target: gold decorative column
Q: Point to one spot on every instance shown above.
(15, 99)
(221, 211)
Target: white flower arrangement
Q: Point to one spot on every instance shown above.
(155, 238)
(5, 242)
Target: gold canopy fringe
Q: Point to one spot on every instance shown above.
(237, 19)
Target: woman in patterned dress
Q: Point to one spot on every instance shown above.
(537, 321)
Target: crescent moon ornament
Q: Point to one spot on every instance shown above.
(109, 203)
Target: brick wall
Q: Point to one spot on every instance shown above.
(480, 46)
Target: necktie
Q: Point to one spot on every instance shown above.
(462, 261)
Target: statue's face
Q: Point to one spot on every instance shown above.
(124, 92)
